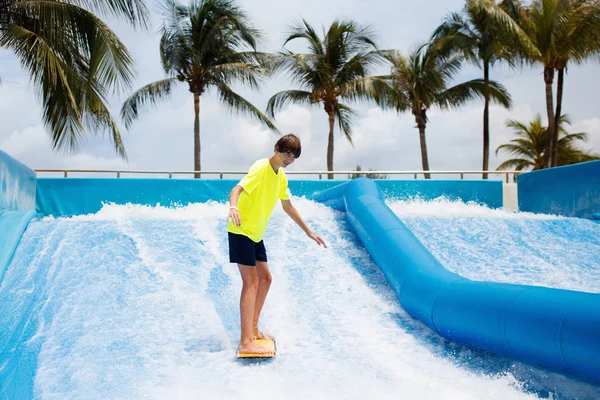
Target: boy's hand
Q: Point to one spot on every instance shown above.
(234, 216)
(317, 239)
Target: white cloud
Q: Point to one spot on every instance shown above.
(250, 140)
(592, 127)
(19, 106)
(30, 140)
(32, 146)
(387, 141)
(244, 142)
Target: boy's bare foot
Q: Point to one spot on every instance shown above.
(253, 348)
(258, 335)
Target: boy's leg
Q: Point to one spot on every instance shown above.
(247, 305)
(264, 283)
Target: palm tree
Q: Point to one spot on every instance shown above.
(577, 38)
(421, 80)
(571, 155)
(481, 41)
(208, 44)
(529, 147)
(74, 61)
(560, 31)
(531, 144)
(543, 24)
(335, 68)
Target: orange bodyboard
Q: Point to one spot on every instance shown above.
(266, 343)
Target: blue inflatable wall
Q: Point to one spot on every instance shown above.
(579, 194)
(17, 202)
(63, 197)
(17, 185)
(488, 192)
(73, 196)
(552, 328)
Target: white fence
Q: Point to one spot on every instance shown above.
(506, 175)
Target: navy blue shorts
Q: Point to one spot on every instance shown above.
(242, 250)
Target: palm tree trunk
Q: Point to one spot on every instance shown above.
(559, 95)
(486, 120)
(330, 144)
(197, 135)
(548, 80)
(424, 159)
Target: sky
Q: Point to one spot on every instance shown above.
(162, 137)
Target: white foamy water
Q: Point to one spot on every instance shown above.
(505, 246)
(141, 302)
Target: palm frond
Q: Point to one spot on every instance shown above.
(175, 46)
(530, 145)
(476, 88)
(452, 24)
(571, 138)
(455, 35)
(135, 11)
(308, 70)
(578, 34)
(266, 61)
(174, 55)
(497, 15)
(148, 94)
(519, 127)
(358, 66)
(72, 99)
(431, 61)
(377, 88)
(240, 105)
(98, 119)
(518, 148)
(281, 99)
(77, 37)
(227, 73)
(344, 115)
(542, 17)
(303, 30)
(395, 58)
(518, 164)
(46, 67)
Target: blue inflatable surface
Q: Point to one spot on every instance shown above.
(12, 226)
(553, 328)
(577, 196)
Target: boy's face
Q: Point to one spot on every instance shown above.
(286, 158)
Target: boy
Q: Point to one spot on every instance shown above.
(252, 201)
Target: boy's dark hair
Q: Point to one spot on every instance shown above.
(289, 144)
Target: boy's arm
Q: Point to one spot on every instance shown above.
(234, 214)
(293, 213)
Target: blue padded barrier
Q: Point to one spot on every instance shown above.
(62, 197)
(17, 185)
(579, 194)
(552, 328)
(17, 201)
(74, 196)
(488, 192)
(65, 197)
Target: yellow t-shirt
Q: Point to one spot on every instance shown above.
(262, 188)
